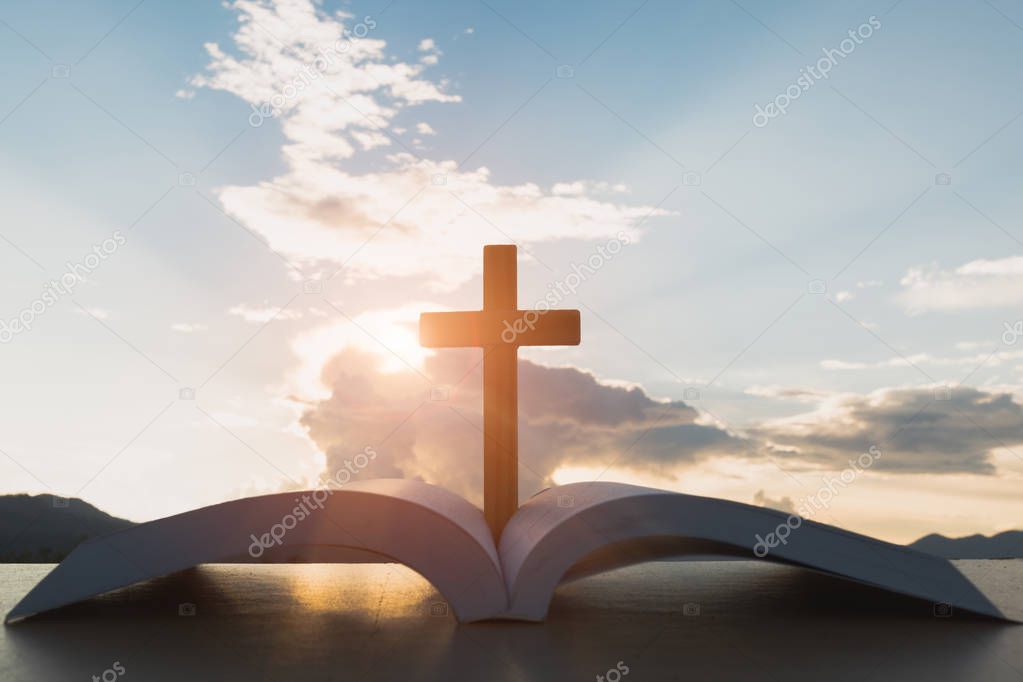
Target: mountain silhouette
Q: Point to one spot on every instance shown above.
(1007, 545)
(45, 528)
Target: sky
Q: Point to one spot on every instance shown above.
(791, 229)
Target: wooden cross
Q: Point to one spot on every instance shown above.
(500, 328)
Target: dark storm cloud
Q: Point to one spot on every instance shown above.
(569, 418)
(566, 417)
(918, 430)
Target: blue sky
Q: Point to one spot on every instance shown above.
(732, 227)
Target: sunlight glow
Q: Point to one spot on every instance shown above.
(390, 335)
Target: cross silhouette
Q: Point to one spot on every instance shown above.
(500, 328)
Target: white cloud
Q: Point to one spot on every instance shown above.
(583, 187)
(264, 313)
(796, 393)
(977, 284)
(425, 129)
(319, 100)
(843, 296)
(187, 327)
(433, 53)
(987, 359)
(320, 213)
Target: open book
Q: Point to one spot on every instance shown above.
(560, 534)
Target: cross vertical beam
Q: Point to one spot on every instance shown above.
(500, 394)
(499, 329)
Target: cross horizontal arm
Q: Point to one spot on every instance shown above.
(495, 327)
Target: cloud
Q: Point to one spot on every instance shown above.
(187, 327)
(425, 129)
(977, 284)
(337, 92)
(989, 359)
(796, 393)
(915, 430)
(261, 314)
(567, 417)
(784, 504)
(432, 56)
(581, 188)
(421, 411)
(437, 214)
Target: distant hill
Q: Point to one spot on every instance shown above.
(1007, 545)
(45, 528)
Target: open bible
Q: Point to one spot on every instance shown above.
(560, 534)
